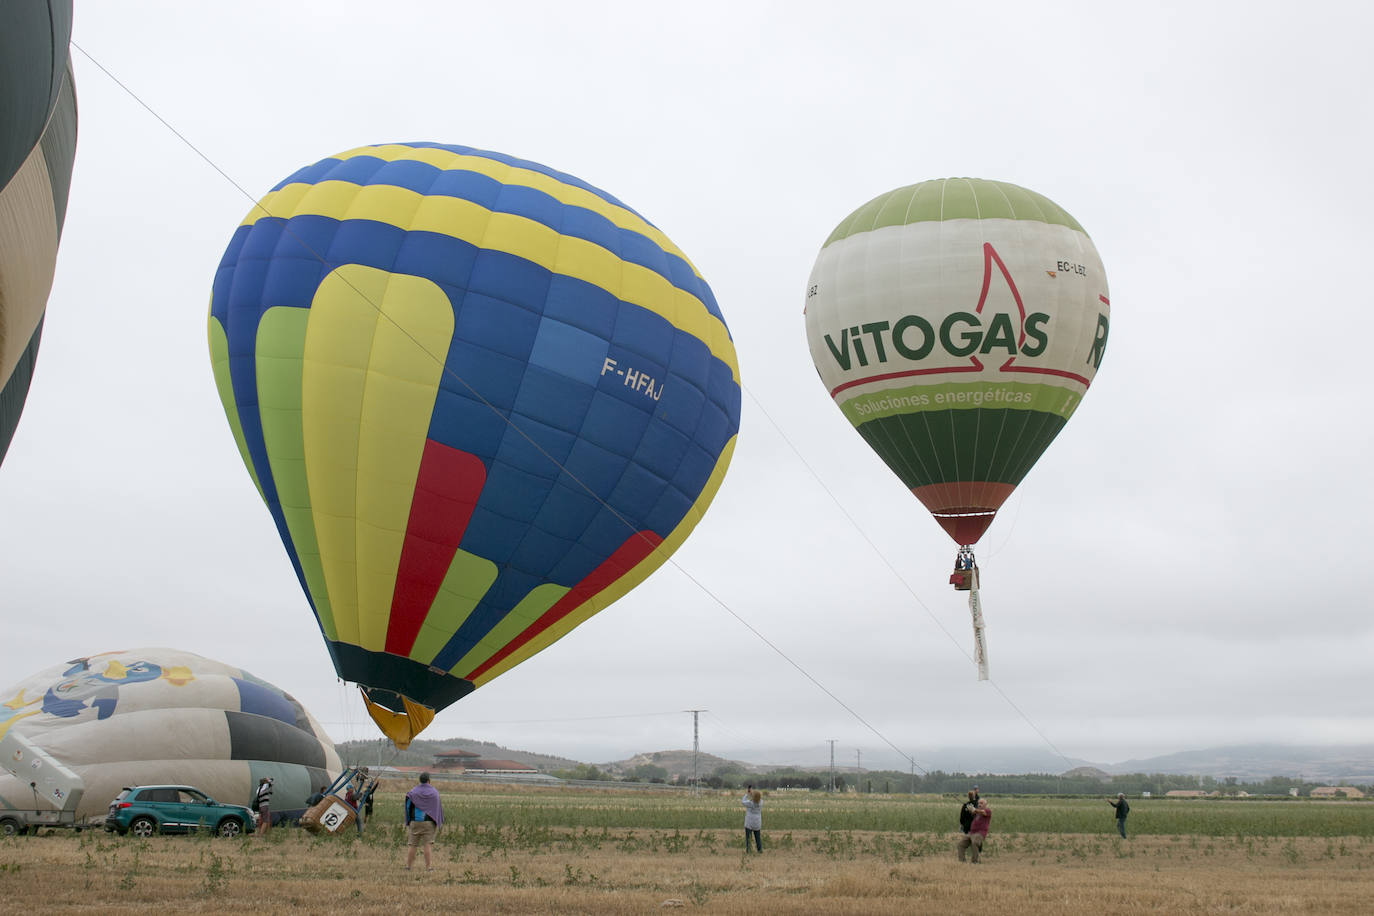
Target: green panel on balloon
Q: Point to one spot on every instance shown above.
(961, 445)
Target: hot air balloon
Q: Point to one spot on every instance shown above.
(37, 149)
(957, 324)
(481, 399)
(142, 716)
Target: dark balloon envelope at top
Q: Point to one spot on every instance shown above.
(37, 150)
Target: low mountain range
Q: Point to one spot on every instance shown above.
(1325, 764)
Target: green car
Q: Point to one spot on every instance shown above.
(146, 810)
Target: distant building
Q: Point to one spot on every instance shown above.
(470, 764)
(447, 760)
(1336, 792)
(484, 767)
(1187, 793)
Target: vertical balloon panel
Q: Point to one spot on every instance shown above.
(481, 399)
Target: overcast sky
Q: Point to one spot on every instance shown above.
(1186, 565)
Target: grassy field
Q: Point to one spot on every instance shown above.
(537, 850)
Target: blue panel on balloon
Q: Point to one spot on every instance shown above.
(596, 467)
(487, 356)
(567, 510)
(510, 279)
(645, 334)
(480, 189)
(292, 281)
(569, 351)
(552, 400)
(408, 174)
(615, 424)
(591, 226)
(441, 258)
(532, 204)
(582, 305)
(535, 448)
(515, 493)
(365, 241)
(463, 423)
(492, 535)
(671, 506)
(660, 450)
(681, 404)
(357, 169)
(263, 702)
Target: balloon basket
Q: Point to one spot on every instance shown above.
(331, 815)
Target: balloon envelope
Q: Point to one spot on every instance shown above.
(958, 323)
(159, 716)
(482, 399)
(37, 150)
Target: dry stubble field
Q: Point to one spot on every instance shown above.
(541, 851)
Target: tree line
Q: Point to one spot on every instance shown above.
(938, 782)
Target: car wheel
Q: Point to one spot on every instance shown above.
(143, 826)
(230, 826)
(9, 826)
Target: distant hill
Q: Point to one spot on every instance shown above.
(680, 764)
(1337, 764)
(421, 753)
(1331, 765)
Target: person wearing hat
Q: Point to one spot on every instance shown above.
(1122, 809)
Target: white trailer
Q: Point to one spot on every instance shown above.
(56, 789)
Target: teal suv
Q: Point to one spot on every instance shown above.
(146, 810)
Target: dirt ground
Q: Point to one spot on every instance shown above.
(799, 873)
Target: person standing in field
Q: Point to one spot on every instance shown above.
(1122, 809)
(753, 817)
(967, 810)
(977, 833)
(424, 815)
(262, 802)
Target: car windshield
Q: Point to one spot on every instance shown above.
(123, 794)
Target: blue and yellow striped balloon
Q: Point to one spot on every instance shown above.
(482, 400)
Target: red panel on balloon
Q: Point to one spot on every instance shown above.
(446, 492)
(626, 557)
(964, 509)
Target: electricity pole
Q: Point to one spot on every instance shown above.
(696, 747)
(832, 766)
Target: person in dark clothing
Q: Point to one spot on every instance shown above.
(1122, 809)
(977, 835)
(262, 801)
(968, 809)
